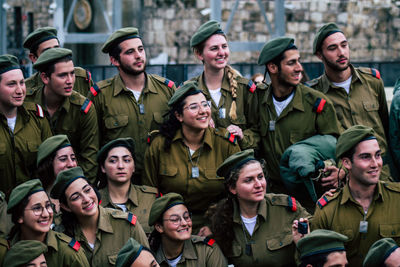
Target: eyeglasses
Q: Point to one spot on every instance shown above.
(38, 210)
(195, 107)
(176, 219)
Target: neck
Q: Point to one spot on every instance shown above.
(281, 91)
(89, 223)
(337, 76)
(248, 210)
(30, 235)
(9, 112)
(118, 192)
(171, 248)
(193, 139)
(363, 194)
(213, 79)
(134, 82)
(52, 101)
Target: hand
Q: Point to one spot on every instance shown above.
(204, 231)
(330, 181)
(211, 123)
(235, 130)
(295, 233)
(329, 193)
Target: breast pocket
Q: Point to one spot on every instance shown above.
(279, 242)
(390, 230)
(371, 106)
(168, 171)
(115, 122)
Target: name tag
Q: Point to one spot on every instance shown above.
(222, 114)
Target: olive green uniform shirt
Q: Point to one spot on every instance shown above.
(365, 104)
(114, 230)
(120, 115)
(60, 251)
(197, 252)
(79, 125)
(3, 250)
(343, 214)
(5, 218)
(18, 150)
(298, 121)
(246, 108)
(140, 200)
(83, 81)
(172, 171)
(271, 242)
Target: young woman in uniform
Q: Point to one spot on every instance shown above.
(185, 156)
(251, 227)
(116, 162)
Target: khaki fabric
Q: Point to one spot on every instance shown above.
(18, 150)
(343, 214)
(5, 219)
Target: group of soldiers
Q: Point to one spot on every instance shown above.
(346, 102)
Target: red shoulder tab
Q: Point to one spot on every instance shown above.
(159, 194)
(376, 73)
(74, 244)
(252, 86)
(319, 105)
(88, 76)
(169, 83)
(292, 203)
(322, 202)
(86, 106)
(231, 138)
(94, 89)
(209, 241)
(39, 111)
(131, 218)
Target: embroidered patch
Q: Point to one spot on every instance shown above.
(292, 203)
(74, 244)
(319, 105)
(252, 86)
(86, 106)
(132, 218)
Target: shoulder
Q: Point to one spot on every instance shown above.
(316, 99)
(119, 215)
(282, 200)
(76, 98)
(223, 135)
(82, 73)
(152, 135)
(391, 186)
(161, 80)
(313, 83)
(67, 242)
(102, 85)
(369, 72)
(194, 79)
(33, 109)
(203, 241)
(325, 201)
(246, 84)
(145, 189)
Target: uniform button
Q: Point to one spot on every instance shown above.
(115, 123)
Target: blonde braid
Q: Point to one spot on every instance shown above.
(232, 87)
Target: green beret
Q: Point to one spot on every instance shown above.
(235, 161)
(125, 142)
(119, 36)
(321, 241)
(128, 253)
(162, 204)
(274, 48)
(51, 145)
(23, 252)
(64, 179)
(351, 137)
(379, 252)
(8, 62)
(38, 36)
(51, 55)
(22, 191)
(205, 31)
(182, 92)
(322, 33)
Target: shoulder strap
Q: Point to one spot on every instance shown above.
(86, 106)
(74, 244)
(131, 218)
(319, 105)
(39, 111)
(292, 203)
(209, 241)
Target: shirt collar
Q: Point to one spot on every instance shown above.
(207, 137)
(188, 252)
(120, 86)
(327, 84)
(104, 221)
(262, 210)
(296, 103)
(346, 196)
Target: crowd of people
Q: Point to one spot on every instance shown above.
(222, 170)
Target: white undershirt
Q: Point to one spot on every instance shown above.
(281, 105)
(174, 262)
(136, 94)
(191, 152)
(122, 206)
(11, 123)
(216, 95)
(250, 223)
(345, 84)
(91, 245)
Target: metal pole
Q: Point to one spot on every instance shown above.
(117, 15)
(215, 6)
(3, 28)
(279, 18)
(59, 21)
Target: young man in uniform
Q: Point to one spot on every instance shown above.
(289, 111)
(132, 103)
(39, 41)
(68, 112)
(365, 209)
(358, 94)
(23, 127)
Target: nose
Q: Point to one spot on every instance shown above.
(257, 183)
(19, 89)
(71, 163)
(120, 164)
(183, 221)
(45, 213)
(299, 67)
(70, 78)
(85, 198)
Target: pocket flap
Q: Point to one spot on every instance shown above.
(168, 170)
(211, 174)
(370, 106)
(112, 259)
(158, 117)
(389, 230)
(32, 146)
(116, 121)
(280, 241)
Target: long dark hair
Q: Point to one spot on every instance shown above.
(222, 214)
(45, 171)
(172, 124)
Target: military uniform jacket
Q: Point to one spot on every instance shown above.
(83, 81)
(365, 104)
(77, 119)
(3, 250)
(246, 108)
(298, 121)
(172, 171)
(5, 218)
(114, 229)
(271, 242)
(18, 150)
(197, 252)
(62, 250)
(342, 213)
(120, 115)
(140, 200)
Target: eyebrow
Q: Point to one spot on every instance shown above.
(83, 188)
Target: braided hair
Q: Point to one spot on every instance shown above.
(232, 76)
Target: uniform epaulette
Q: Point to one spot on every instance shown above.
(94, 89)
(80, 72)
(39, 111)
(251, 86)
(104, 83)
(88, 76)
(203, 240)
(319, 105)
(165, 81)
(311, 83)
(131, 218)
(209, 241)
(322, 202)
(371, 71)
(74, 244)
(159, 194)
(224, 133)
(292, 203)
(151, 135)
(148, 189)
(392, 186)
(86, 106)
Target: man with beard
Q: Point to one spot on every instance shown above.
(132, 103)
(357, 93)
(289, 111)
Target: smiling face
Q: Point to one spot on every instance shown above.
(32, 223)
(172, 230)
(215, 53)
(335, 52)
(12, 90)
(192, 118)
(81, 199)
(290, 68)
(119, 165)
